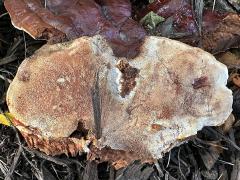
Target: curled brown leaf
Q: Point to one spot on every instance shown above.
(59, 21)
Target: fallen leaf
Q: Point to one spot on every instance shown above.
(209, 156)
(217, 32)
(210, 174)
(224, 35)
(235, 174)
(60, 21)
(235, 78)
(6, 119)
(228, 124)
(179, 10)
(151, 20)
(229, 59)
(235, 3)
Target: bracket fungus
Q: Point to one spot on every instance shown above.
(78, 97)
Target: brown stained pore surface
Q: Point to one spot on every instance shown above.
(59, 20)
(129, 74)
(200, 82)
(59, 88)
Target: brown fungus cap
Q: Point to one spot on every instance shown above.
(61, 20)
(171, 90)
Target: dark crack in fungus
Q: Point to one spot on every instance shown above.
(128, 79)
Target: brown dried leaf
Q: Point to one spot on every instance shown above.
(216, 32)
(228, 124)
(229, 59)
(59, 21)
(118, 158)
(235, 175)
(235, 3)
(179, 10)
(209, 156)
(224, 36)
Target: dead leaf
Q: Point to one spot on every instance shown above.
(229, 59)
(235, 175)
(228, 123)
(209, 156)
(151, 20)
(72, 19)
(210, 174)
(6, 119)
(224, 35)
(215, 33)
(235, 3)
(180, 10)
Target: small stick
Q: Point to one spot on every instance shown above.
(214, 3)
(14, 163)
(4, 14)
(96, 103)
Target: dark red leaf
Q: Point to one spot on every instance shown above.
(219, 31)
(60, 20)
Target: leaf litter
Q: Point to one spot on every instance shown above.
(212, 154)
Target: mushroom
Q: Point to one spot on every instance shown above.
(77, 97)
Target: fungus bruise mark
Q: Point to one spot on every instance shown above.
(200, 82)
(176, 81)
(167, 113)
(24, 76)
(17, 122)
(129, 74)
(156, 127)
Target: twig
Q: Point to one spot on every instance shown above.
(48, 158)
(13, 49)
(224, 137)
(7, 60)
(179, 164)
(36, 172)
(4, 14)
(3, 168)
(14, 163)
(96, 103)
(220, 176)
(169, 157)
(210, 143)
(159, 169)
(45, 4)
(25, 45)
(4, 41)
(199, 5)
(214, 3)
(55, 171)
(225, 162)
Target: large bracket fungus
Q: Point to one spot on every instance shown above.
(172, 91)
